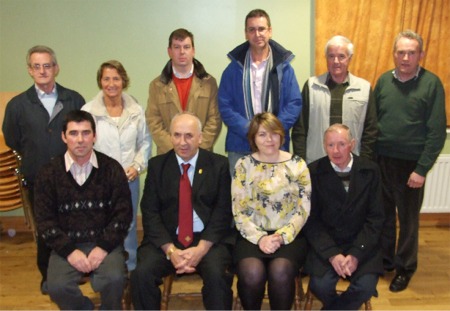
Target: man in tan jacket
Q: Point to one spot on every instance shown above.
(184, 85)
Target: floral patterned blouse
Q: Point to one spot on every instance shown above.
(270, 197)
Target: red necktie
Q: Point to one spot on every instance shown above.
(185, 221)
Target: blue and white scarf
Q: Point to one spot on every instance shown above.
(266, 93)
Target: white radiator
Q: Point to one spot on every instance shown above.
(437, 187)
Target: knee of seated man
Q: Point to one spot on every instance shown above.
(321, 287)
(215, 275)
(58, 286)
(113, 278)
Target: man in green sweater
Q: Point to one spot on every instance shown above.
(410, 104)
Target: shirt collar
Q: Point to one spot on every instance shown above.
(41, 93)
(183, 76)
(330, 80)
(348, 168)
(397, 76)
(69, 161)
(192, 161)
(264, 61)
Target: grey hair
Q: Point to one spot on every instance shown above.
(41, 49)
(340, 41)
(410, 35)
(336, 128)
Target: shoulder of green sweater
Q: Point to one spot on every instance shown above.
(426, 74)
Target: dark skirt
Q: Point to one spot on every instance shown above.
(295, 251)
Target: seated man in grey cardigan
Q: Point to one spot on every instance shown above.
(83, 212)
(345, 223)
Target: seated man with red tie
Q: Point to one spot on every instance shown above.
(186, 216)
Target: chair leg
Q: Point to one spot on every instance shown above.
(127, 295)
(167, 289)
(368, 305)
(28, 212)
(309, 300)
(299, 293)
(237, 303)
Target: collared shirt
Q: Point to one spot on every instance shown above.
(397, 76)
(198, 223)
(348, 168)
(331, 83)
(256, 79)
(183, 76)
(344, 174)
(47, 99)
(80, 172)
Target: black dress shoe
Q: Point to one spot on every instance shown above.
(399, 283)
(44, 289)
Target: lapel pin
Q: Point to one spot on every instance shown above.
(200, 171)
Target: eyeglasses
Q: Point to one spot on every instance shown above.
(37, 67)
(261, 30)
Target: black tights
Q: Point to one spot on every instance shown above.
(253, 273)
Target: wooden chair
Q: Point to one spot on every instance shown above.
(13, 193)
(167, 290)
(310, 298)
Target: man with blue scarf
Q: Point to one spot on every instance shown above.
(258, 79)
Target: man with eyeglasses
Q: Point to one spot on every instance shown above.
(33, 123)
(410, 103)
(258, 79)
(336, 96)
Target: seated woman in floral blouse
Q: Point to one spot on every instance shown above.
(271, 192)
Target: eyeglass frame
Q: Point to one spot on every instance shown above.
(46, 66)
(261, 30)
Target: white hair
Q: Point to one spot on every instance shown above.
(340, 41)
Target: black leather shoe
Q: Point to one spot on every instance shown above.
(44, 290)
(399, 283)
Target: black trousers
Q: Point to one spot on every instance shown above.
(152, 266)
(404, 202)
(43, 251)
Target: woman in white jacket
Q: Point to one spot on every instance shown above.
(122, 134)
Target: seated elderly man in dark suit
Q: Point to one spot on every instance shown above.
(180, 237)
(345, 223)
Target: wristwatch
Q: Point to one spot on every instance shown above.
(170, 252)
(137, 167)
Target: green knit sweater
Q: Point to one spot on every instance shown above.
(411, 118)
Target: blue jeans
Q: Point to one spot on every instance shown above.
(131, 241)
(360, 290)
